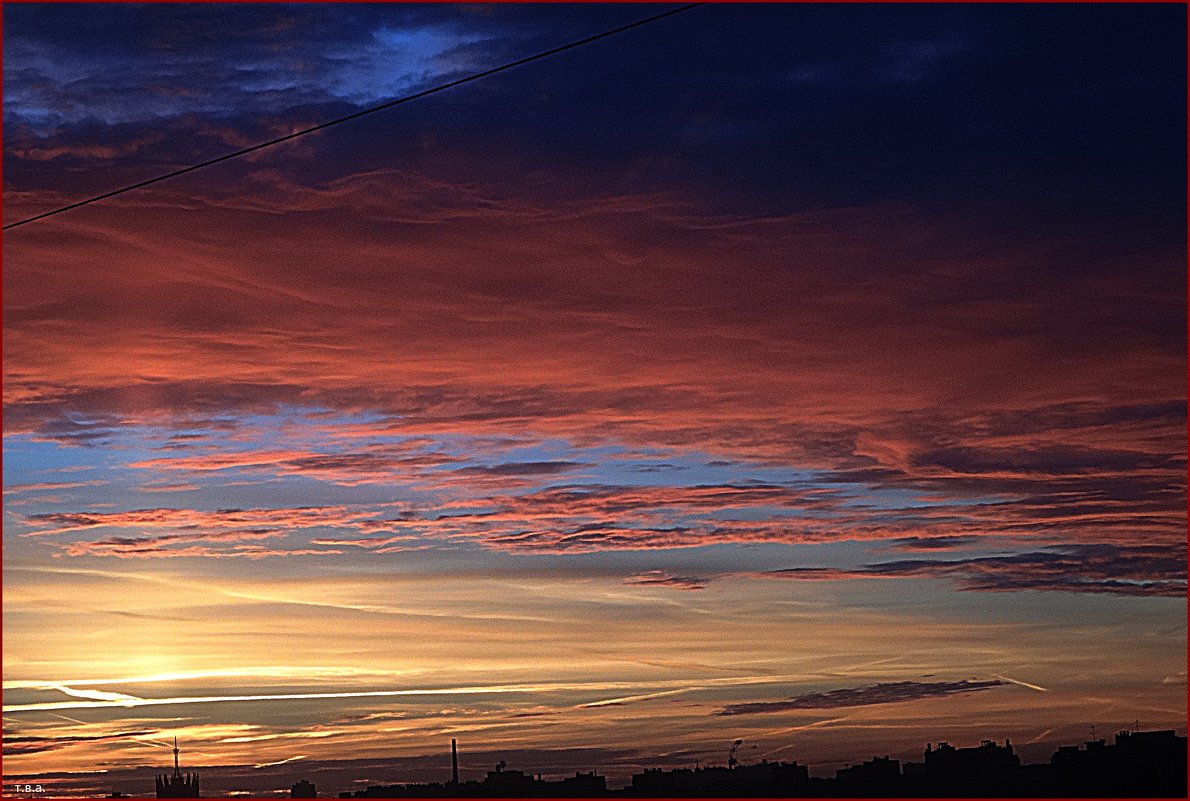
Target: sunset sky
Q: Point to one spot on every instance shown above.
(809, 375)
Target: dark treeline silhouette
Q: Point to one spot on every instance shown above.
(1148, 764)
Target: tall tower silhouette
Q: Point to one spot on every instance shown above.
(177, 784)
(454, 761)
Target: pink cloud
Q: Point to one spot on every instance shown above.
(866, 345)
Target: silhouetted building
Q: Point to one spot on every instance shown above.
(762, 779)
(876, 772)
(303, 789)
(503, 782)
(499, 783)
(580, 785)
(914, 770)
(1140, 763)
(177, 784)
(988, 766)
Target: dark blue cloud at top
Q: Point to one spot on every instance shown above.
(149, 63)
(1054, 126)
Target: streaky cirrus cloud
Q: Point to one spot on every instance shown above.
(660, 578)
(32, 744)
(52, 523)
(883, 693)
(939, 543)
(669, 357)
(1092, 568)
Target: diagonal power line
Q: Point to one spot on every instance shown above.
(356, 115)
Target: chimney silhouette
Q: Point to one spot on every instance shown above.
(454, 761)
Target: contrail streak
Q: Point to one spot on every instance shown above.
(627, 699)
(214, 699)
(813, 725)
(63, 717)
(1023, 684)
(94, 695)
(282, 762)
(272, 671)
(1040, 737)
(96, 699)
(109, 700)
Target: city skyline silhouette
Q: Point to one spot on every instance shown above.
(1135, 764)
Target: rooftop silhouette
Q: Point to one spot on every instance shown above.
(303, 789)
(1136, 764)
(1148, 764)
(177, 784)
